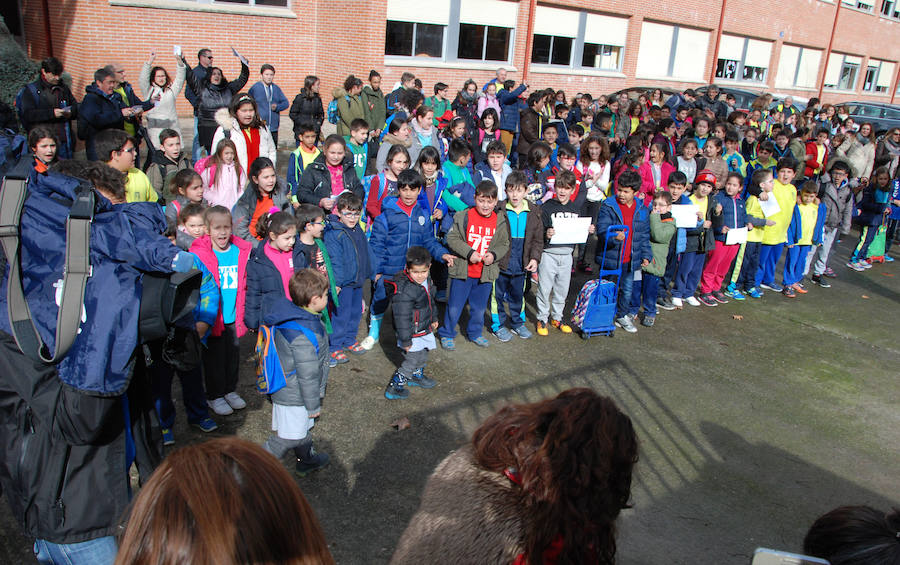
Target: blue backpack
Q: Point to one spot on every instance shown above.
(270, 376)
(333, 110)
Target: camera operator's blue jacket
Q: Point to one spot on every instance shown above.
(125, 240)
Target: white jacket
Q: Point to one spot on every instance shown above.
(266, 145)
(164, 114)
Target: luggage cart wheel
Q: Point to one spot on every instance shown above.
(585, 336)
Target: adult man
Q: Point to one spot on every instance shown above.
(710, 101)
(116, 149)
(407, 82)
(270, 100)
(786, 107)
(499, 80)
(129, 99)
(531, 125)
(204, 61)
(101, 109)
(686, 98)
(48, 101)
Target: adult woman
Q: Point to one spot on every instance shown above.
(212, 93)
(398, 134)
(888, 152)
(656, 97)
(246, 129)
(155, 83)
(373, 103)
(424, 134)
(349, 104)
(222, 501)
(465, 106)
(547, 479)
(859, 148)
(307, 107)
(667, 134)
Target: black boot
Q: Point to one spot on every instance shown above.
(308, 460)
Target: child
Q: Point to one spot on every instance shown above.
(688, 162)
(873, 208)
(495, 168)
(655, 172)
(743, 279)
(329, 175)
(733, 158)
(384, 184)
(701, 132)
(817, 153)
(594, 168)
(440, 104)
(436, 200)
(264, 192)
(415, 319)
(190, 225)
(555, 267)
(271, 264)
(305, 153)
(804, 233)
(358, 146)
(353, 263)
(223, 177)
(167, 161)
(551, 134)
(690, 262)
(749, 145)
(624, 209)
(488, 132)
(537, 169)
(714, 162)
(781, 145)
(304, 362)
(526, 244)
(401, 225)
(186, 186)
(226, 258)
(576, 136)
(774, 236)
(763, 160)
(662, 231)
(309, 249)
(894, 218)
(479, 236)
(730, 213)
(42, 142)
(835, 192)
(676, 187)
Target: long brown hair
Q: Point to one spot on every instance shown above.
(574, 456)
(218, 160)
(222, 502)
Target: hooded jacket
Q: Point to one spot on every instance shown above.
(375, 107)
(395, 231)
(610, 213)
(531, 234)
(509, 108)
(315, 183)
(346, 261)
(263, 284)
(795, 229)
(307, 109)
(734, 213)
(456, 241)
(349, 109)
(98, 112)
(202, 248)
(270, 116)
(228, 123)
(161, 170)
(661, 233)
(413, 308)
(306, 387)
(838, 203)
(210, 97)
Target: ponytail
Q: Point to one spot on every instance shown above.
(274, 223)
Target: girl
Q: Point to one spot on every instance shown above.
(307, 107)
(264, 192)
(690, 262)
(187, 186)
(398, 134)
(873, 209)
(384, 184)
(715, 162)
(701, 131)
(487, 132)
(42, 141)
(328, 176)
(594, 168)
(759, 189)
(226, 258)
(424, 134)
(489, 100)
(349, 104)
(667, 134)
(729, 213)
(456, 129)
(271, 263)
(466, 107)
(688, 162)
(655, 172)
(156, 84)
(656, 97)
(223, 178)
(250, 134)
(537, 170)
(719, 132)
(213, 93)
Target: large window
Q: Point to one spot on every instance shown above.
(890, 9)
(864, 5)
(842, 71)
(669, 51)
(798, 67)
(451, 30)
(578, 40)
(743, 59)
(282, 3)
(878, 77)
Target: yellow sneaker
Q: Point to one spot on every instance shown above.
(564, 328)
(542, 328)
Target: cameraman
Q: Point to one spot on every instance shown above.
(70, 432)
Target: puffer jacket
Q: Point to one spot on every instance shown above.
(395, 231)
(860, 156)
(345, 260)
(227, 123)
(413, 308)
(349, 108)
(315, 183)
(661, 233)
(530, 123)
(242, 212)
(734, 213)
(98, 112)
(838, 202)
(610, 213)
(509, 108)
(307, 109)
(210, 97)
(298, 355)
(263, 285)
(456, 241)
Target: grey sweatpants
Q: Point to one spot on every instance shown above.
(819, 255)
(554, 273)
(413, 360)
(278, 446)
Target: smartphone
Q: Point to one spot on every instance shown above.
(763, 556)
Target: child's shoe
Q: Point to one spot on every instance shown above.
(220, 406)
(357, 349)
(798, 288)
(754, 293)
(235, 401)
(855, 265)
(522, 332)
(564, 328)
(448, 343)
(692, 300)
(368, 343)
(338, 358)
(205, 425)
(829, 272)
(773, 286)
(707, 299)
(677, 303)
(729, 290)
(309, 460)
(503, 334)
(719, 297)
(789, 292)
(817, 279)
(542, 328)
(738, 295)
(168, 436)
(396, 389)
(626, 324)
(888, 259)
(867, 264)
(481, 341)
(419, 379)
(648, 321)
(665, 303)
(440, 296)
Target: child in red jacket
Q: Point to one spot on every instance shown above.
(817, 153)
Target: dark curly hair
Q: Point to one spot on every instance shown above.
(574, 456)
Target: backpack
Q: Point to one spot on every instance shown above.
(333, 117)
(30, 87)
(270, 376)
(13, 148)
(384, 130)
(207, 162)
(367, 184)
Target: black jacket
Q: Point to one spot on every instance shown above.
(413, 308)
(97, 113)
(309, 110)
(39, 111)
(210, 97)
(315, 184)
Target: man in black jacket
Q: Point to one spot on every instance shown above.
(204, 61)
(48, 101)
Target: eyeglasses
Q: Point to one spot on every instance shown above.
(350, 214)
(129, 150)
(322, 223)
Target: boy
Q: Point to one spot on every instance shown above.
(166, 162)
(625, 210)
(555, 268)
(117, 150)
(415, 319)
(763, 160)
(676, 187)
(525, 247)
(817, 153)
(835, 192)
(358, 145)
(305, 353)
(662, 231)
(733, 158)
(440, 103)
(804, 233)
(190, 225)
(782, 138)
(300, 158)
(743, 276)
(560, 114)
(481, 237)
(551, 134)
(270, 100)
(576, 133)
(495, 169)
(352, 264)
(402, 224)
(775, 236)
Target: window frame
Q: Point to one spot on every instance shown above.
(673, 52)
(739, 70)
(484, 44)
(414, 36)
(210, 6)
(893, 9)
(844, 65)
(576, 54)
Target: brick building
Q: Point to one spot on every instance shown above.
(782, 46)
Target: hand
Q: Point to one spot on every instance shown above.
(438, 214)
(59, 112)
(895, 202)
(749, 226)
(763, 196)
(531, 266)
(447, 259)
(645, 262)
(488, 258)
(550, 232)
(202, 328)
(406, 348)
(434, 326)
(620, 236)
(725, 229)
(718, 209)
(699, 215)
(315, 414)
(789, 246)
(475, 258)
(770, 222)
(378, 276)
(127, 112)
(274, 106)
(337, 289)
(156, 97)
(592, 229)
(152, 56)
(707, 223)
(326, 203)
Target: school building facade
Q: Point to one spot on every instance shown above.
(839, 50)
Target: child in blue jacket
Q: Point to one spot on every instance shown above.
(804, 233)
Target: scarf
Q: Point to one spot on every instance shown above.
(391, 139)
(469, 98)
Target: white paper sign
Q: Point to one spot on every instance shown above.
(177, 50)
(770, 207)
(736, 236)
(685, 215)
(567, 231)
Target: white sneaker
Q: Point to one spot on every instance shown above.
(626, 324)
(368, 343)
(692, 300)
(677, 303)
(220, 406)
(235, 401)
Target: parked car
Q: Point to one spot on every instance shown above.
(882, 116)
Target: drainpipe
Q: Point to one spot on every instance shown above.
(529, 39)
(47, 33)
(895, 85)
(712, 71)
(830, 43)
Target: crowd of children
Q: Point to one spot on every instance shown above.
(418, 216)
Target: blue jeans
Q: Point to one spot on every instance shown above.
(626, 288)
(477, 294)
(196, 148)
(100, 551)
(644, 291)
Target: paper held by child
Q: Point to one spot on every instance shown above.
(735, 236)
(685, 215)
(567, 231)
(769, 206)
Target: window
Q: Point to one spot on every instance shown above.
(668, 51)
(485, 30)
(890, 9)
(864, 5)
(878, 77)
(282, 3)
(573, 39)
(842, 71)
(743, 59)
(414, 39)
(798, 67)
